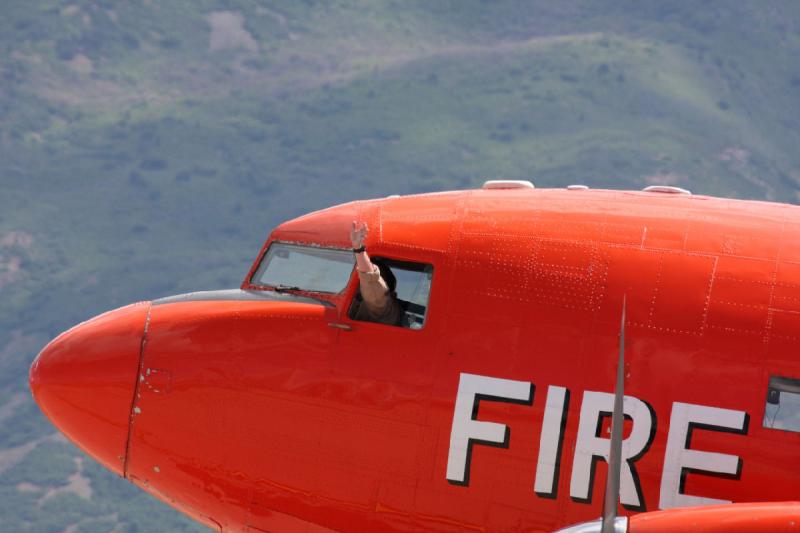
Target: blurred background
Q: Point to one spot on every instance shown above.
(148, 147)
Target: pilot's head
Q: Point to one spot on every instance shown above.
(386, 274)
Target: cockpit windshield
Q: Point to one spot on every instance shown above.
(306, 268)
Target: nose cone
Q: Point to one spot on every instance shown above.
(84, 382)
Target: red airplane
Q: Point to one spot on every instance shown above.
(269, 408)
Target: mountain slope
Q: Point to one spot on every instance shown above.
(147, 148)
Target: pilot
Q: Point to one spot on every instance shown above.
(378, 302)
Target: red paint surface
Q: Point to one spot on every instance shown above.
(740, 518)
(261, 415)
(83, 381)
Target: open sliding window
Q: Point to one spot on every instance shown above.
(304, 268)
(413, 291)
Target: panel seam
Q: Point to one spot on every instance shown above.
(139, 376)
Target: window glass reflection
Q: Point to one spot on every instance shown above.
(783, 404)
(307, 268)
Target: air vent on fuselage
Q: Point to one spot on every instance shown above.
(507, 184)
(577, 187)
(668, 189)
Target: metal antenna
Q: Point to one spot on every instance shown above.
(615, 452)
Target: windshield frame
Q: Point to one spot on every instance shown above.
(255, 284)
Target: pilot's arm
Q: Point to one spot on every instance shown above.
(374, 289)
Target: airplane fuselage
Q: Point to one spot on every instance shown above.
(255, 409)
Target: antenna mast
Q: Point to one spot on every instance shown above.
(615, 453)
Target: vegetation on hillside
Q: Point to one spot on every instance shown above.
(147, 147)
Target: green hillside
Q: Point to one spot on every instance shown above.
(147, 147)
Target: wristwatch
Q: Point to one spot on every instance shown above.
(359, 250)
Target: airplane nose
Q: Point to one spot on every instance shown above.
(84, 381)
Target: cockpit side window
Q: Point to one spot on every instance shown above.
(412, 292)
(306, 268)
(783, 404)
